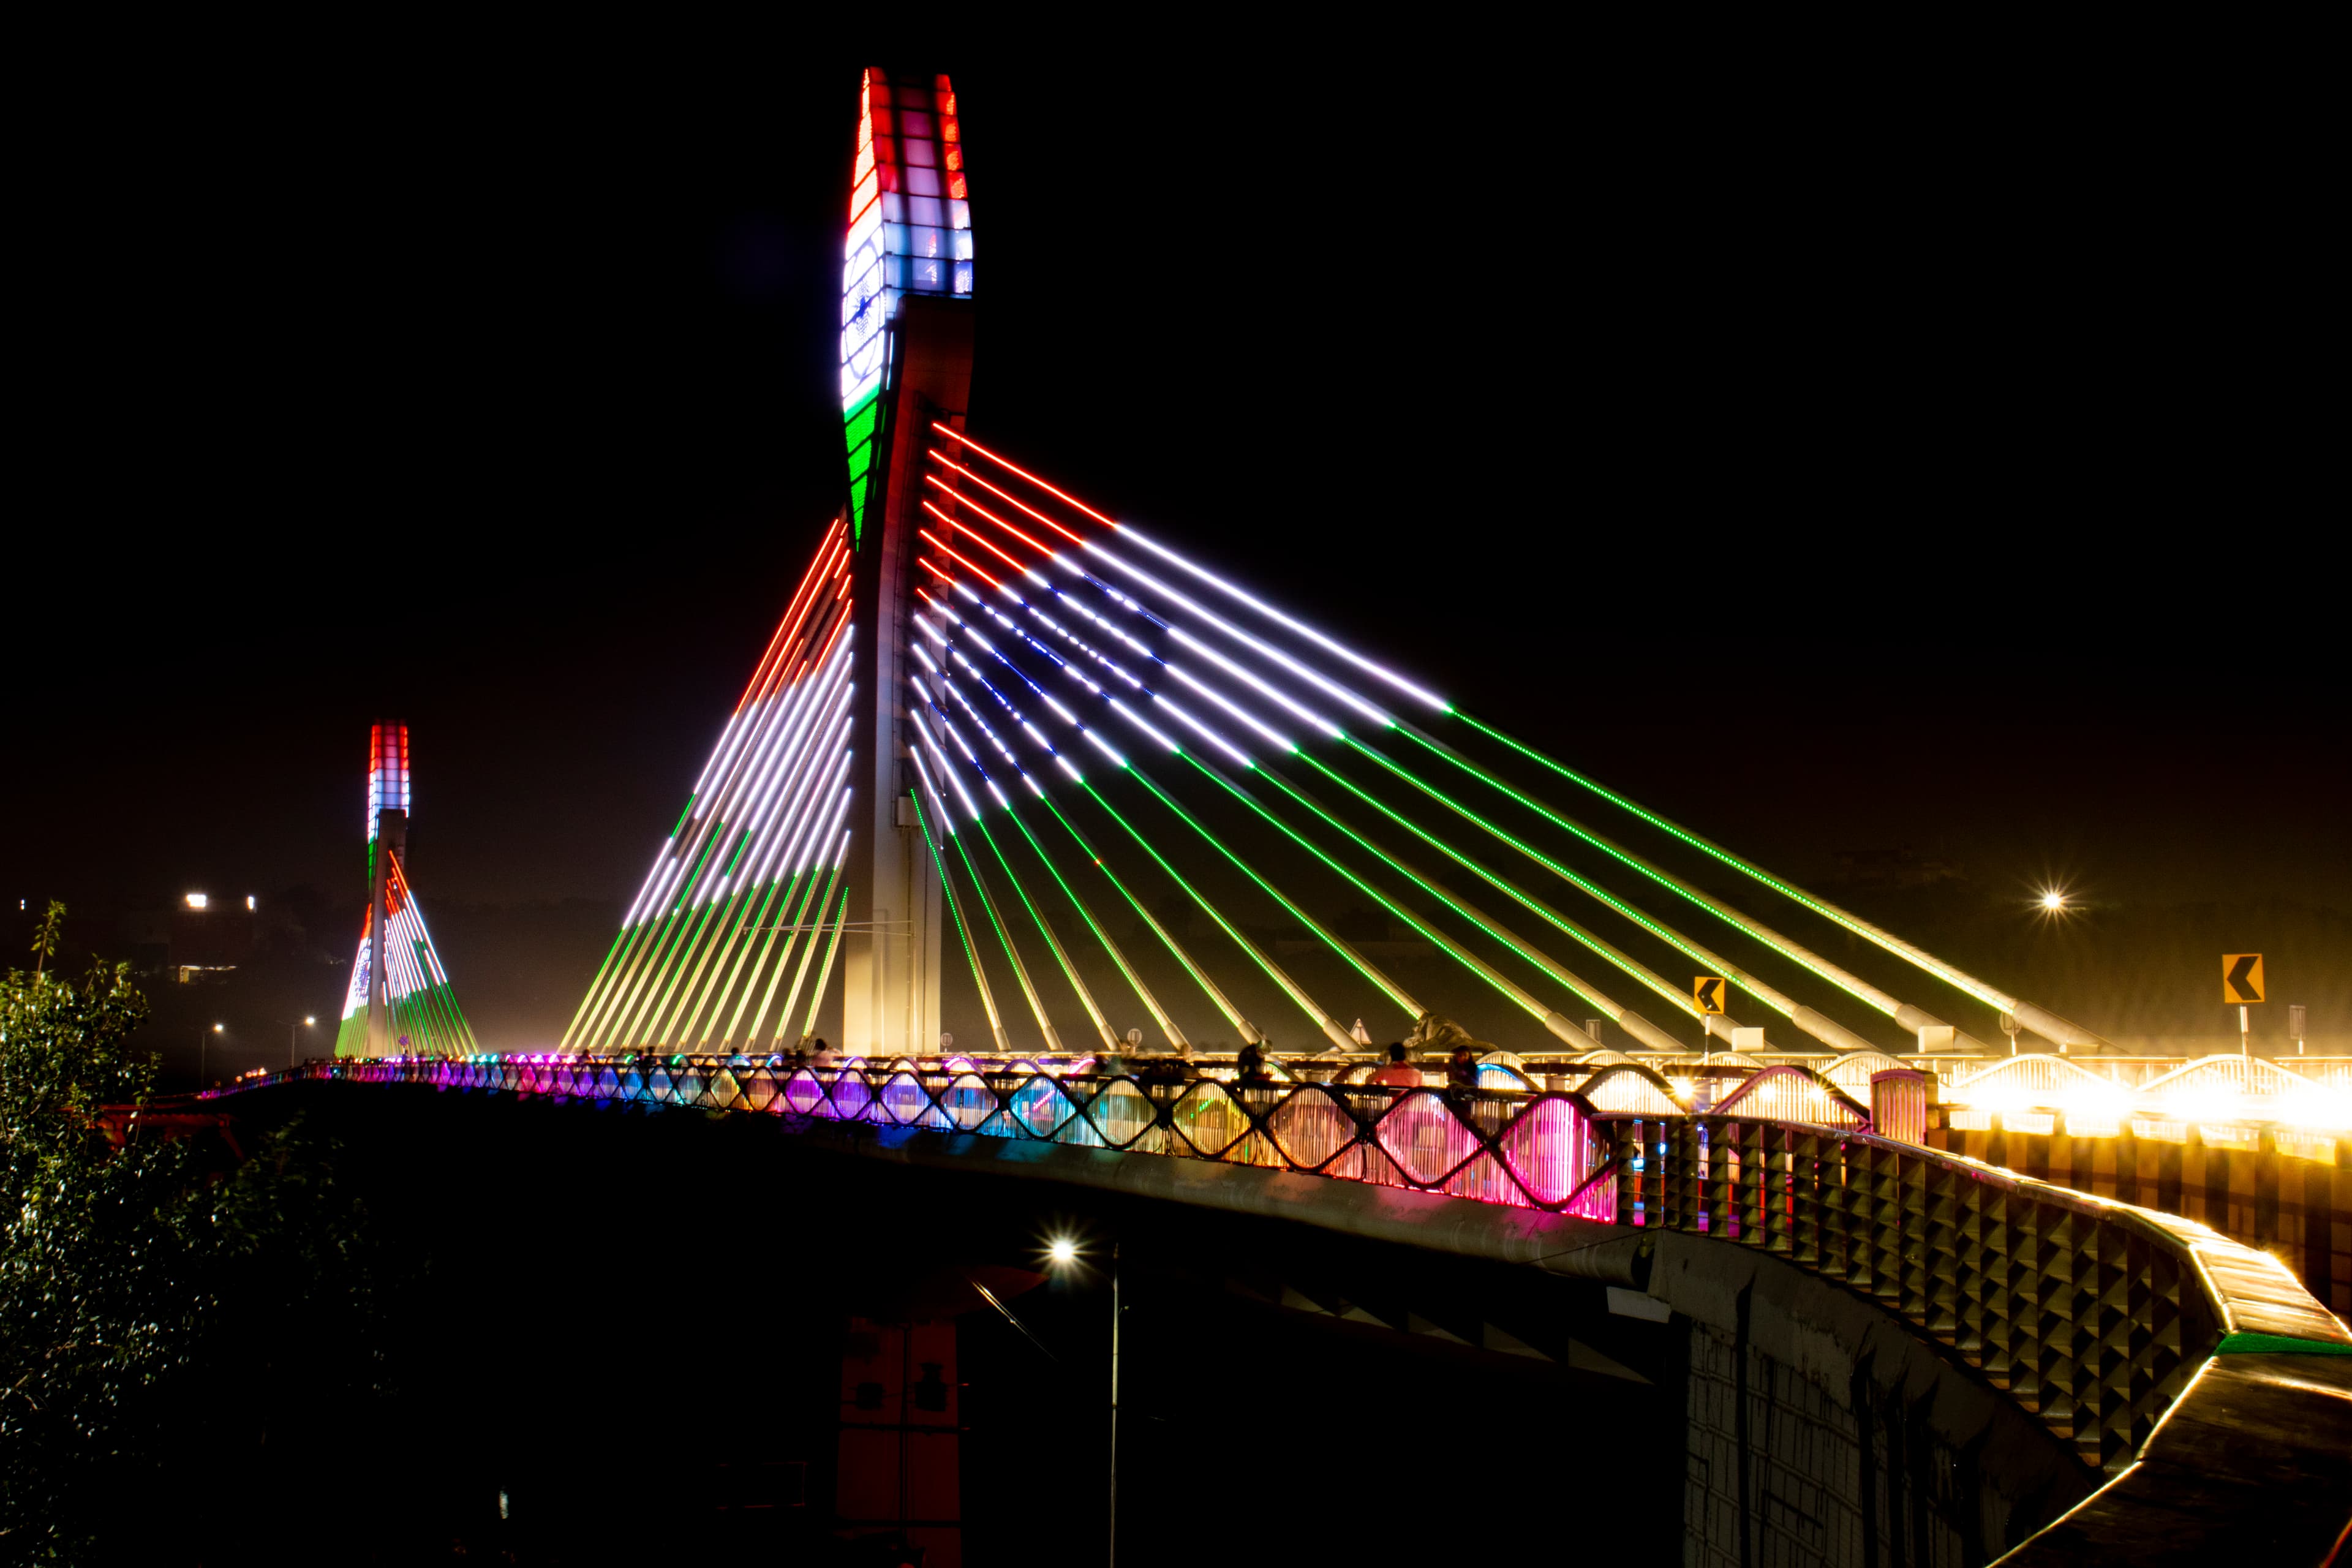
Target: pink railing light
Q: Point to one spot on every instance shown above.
(1528, 1150)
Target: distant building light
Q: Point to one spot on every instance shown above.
(198, 900)
(248, 900)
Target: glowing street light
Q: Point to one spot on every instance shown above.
(1062, 1250)
(198, 900)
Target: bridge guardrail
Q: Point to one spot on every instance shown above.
(2091, 1314)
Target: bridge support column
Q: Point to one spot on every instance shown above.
(890, 950)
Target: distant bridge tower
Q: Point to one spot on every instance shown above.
(399, 1000)
(906, 363)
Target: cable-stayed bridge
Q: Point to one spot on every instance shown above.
(1011, 761)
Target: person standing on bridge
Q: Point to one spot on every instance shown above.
(1397, 1072)
(1249, 1065)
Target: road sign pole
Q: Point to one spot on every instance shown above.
(2243, 1026)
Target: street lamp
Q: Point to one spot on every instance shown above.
(1061, 1253)
(307, 1021)
(203, 1041)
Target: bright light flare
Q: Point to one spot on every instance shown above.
(1061, 1251)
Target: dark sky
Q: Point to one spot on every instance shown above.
(1832, 470)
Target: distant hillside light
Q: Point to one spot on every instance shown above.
(198, 900)
(248, 900)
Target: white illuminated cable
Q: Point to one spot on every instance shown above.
(1214, 739)
(948, 771)
(938, 801)
(786, 729)
(1124, 713)
(782, 853)
(783, 718)
(1301, 627)
(828, 693)
(795, 782)
(1205, 652)
(1268, 649)
(1279, 742)
(1102, 746)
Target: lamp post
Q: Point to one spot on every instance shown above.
(309, 1021)
(1062, 1252)
(204, 1044)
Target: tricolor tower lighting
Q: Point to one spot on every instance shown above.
(399, 1002)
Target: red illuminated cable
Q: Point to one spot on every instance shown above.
(1042, 548)
(946, 462)
(1007, 463)
(819, 567)
(976, 536)
(951, 555)
(797, 621)
(817, 573)
(924, 562)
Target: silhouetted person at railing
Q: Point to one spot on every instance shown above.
(1159, 1071)
(1397, 1072)
(1249, 1066)
(822, 1056)
(1461, 1072)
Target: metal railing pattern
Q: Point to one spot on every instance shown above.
(1529, 1150)
(2091, 1314)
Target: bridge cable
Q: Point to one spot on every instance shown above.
(823, 975)
(980, 978)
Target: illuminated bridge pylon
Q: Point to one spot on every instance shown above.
(399, 1000)
(1134, 787)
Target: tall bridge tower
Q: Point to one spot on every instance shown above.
(906, 365)
(399, 1000)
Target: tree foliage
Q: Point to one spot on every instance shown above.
(129, 1271)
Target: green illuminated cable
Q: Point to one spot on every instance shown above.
(1551, 1017)
(826, 902)
(1853, 986)
(1777, 1000)
(606, 1026)
(1598, 945)
(1477, 917)
(589, 997)
(1241, 1025)
(1167, 1024)
(1085, 997)
(1290, 989)
(955, 908)
(824, 975)
(598, 1021)
(805, 883)
(1013, 955)
(623, 1024)
(1394, 992)
(744, 949)
(665, 979)
(1851, 922)
(723, 932)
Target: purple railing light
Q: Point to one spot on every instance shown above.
(1525, 1150)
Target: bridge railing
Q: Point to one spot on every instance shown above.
(1528, 1150)
(2093, 1315)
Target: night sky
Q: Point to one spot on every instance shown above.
(1827, 476)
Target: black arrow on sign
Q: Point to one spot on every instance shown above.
(2241, 977)
(1706, 1001)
